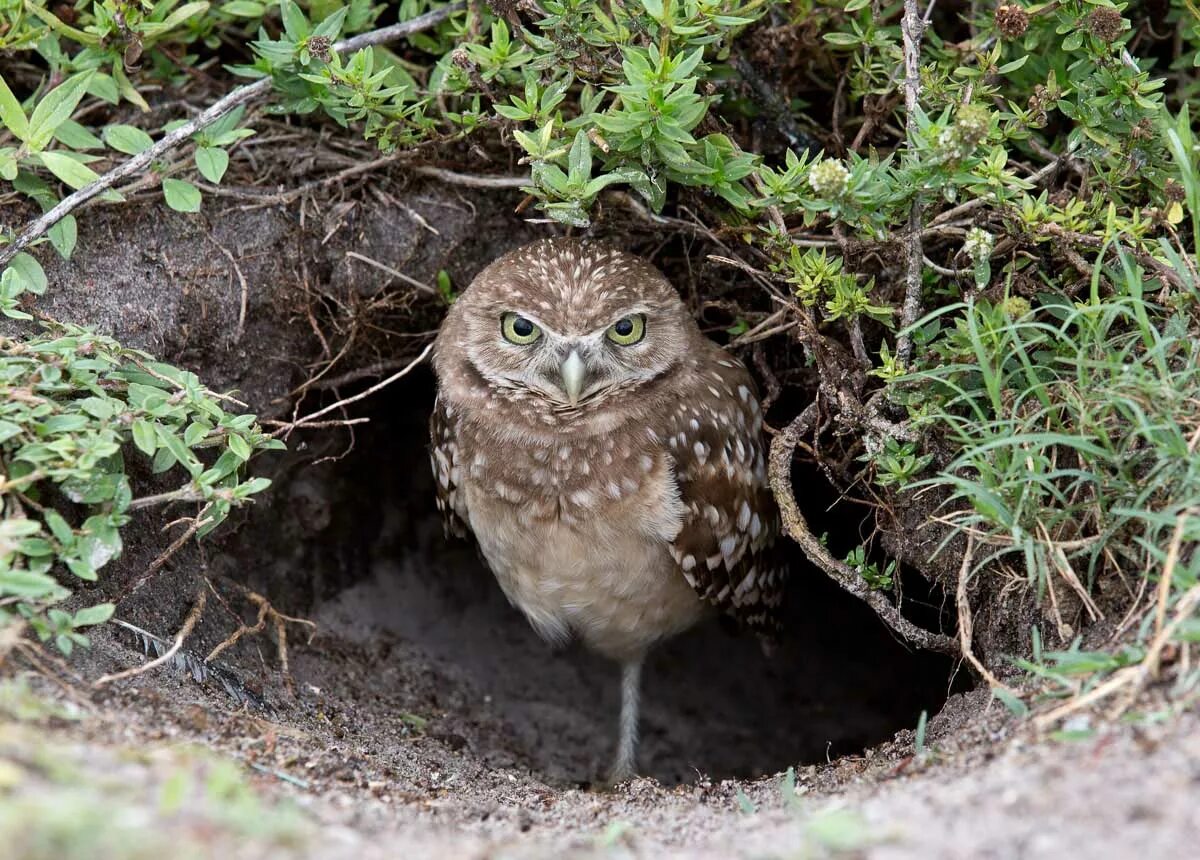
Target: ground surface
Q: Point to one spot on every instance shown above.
(167, 765)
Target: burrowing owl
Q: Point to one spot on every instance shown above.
(607, 457)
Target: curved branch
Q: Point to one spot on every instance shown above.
(783, 446)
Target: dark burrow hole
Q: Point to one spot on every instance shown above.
(367, 558)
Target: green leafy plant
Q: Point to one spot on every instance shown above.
(880, 580)
(74, 408)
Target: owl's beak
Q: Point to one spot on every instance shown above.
(572, 371)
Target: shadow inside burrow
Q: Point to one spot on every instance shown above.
(365, 556)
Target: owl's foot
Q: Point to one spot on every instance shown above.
(620, 772)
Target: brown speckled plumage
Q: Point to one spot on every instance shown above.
(625, 516)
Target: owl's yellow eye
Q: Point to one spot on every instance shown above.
(516, 329)
(627, 330)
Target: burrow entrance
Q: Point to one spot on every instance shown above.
(350, 537)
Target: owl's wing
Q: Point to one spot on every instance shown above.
(725, 548)
(445, 458)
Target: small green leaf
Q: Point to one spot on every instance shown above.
(254, 485)
(244, 9)
(11, 113)
(59, 527)
(63, 236)
(579, 161)
(294, 22)
(66, 168)
(55, 108)
(81, 569)
(654, 8)
(26, 583)
(745, 804)
(75, 136)
(8, 163)
(30, 271)
(212, 162)
(145, 437)
(164, 459)
(331, 26)
(59, 27)
(181, 196)
(179, 451)
(183, 13)
(1014, 705)
(97, 614)
(1013, 66)
(127, 139)
(194, 433)
(126, 89)
(98, 407)
(226, 465)
(240, 447)
(101, 542)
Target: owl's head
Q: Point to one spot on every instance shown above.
(568, 322)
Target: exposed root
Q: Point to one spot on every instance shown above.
(266, 613)
(966, 624)
(197, 523)
(420, 286)
(362, 395)
(245, 296)
(783, 447)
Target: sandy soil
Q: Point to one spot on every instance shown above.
(370, 781)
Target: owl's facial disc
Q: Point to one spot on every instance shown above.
(570, 368)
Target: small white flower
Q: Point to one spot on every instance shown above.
(829, 179)
(978, 244)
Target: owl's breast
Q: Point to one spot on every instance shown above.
(578, 537)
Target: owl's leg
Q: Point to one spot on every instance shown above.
(624, 765)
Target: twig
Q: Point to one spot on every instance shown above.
(241, 320)
(470, 180)
(1130, 675)
(260, 624)
(187, 493)
(942, 270)
(319, 425)
(189, 624)
(362, 395)
(371, 370)
(782, 448)
(912, 27)
(266, 612)
(395, 273)
(966, 624)
(198, 523)
(218, 109)
(1164, 583)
